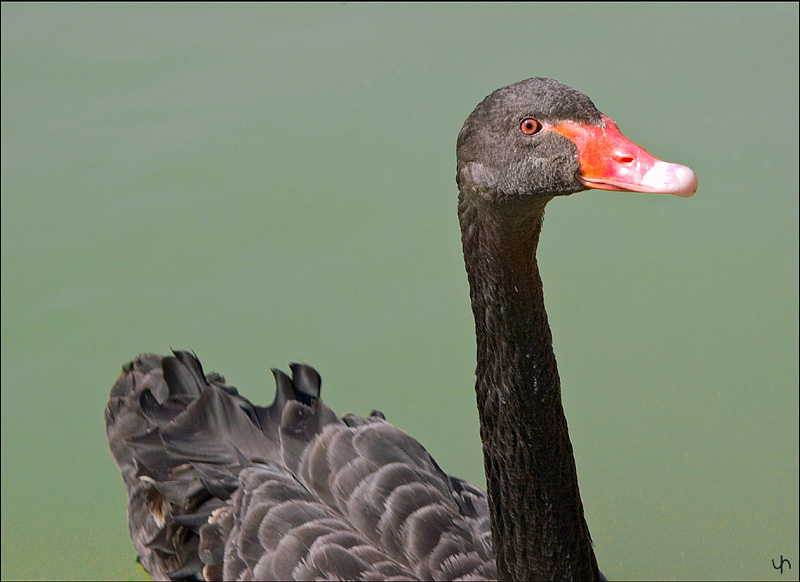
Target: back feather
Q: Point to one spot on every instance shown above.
(219, 488)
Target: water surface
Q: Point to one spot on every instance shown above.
(274, 183)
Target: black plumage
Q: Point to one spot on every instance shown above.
(221, 488)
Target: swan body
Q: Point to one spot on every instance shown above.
(219, 488)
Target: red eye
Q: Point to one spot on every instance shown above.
(529, 126)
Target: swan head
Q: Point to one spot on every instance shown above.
(540, 138)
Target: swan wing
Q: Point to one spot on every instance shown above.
(221, 488)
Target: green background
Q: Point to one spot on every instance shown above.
(274, 183)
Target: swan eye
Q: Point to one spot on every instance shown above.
(529, 126)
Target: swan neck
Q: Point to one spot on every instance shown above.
(538, 528)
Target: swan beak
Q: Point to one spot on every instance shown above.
(610, 161)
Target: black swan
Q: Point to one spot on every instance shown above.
(220, 488)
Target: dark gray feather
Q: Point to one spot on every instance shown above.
(219, 487)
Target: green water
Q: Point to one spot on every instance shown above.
(273, 183)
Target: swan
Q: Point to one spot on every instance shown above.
(221, 488)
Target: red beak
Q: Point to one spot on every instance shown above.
(610, 161)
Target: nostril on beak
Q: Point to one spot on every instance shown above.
(625, 159)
